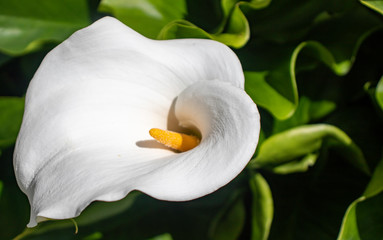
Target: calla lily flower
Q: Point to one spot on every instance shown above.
(90, 106)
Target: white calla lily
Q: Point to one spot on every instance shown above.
(92, 102)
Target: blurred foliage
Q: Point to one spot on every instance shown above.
(25, 25)
(314, 69)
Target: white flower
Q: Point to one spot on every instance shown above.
(91, 104)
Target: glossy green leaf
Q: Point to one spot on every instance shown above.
(297, 143)
(266, 96)
(233, 30)
(147, 17)
(230, 221)
(349, 228)
(262, 208)
(11, 109)
(376, 5)
(364, 217)
(379, 93)
(26, 25)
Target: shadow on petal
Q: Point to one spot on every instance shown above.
(151, 144)
(173, 123)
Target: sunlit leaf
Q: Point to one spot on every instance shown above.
(376, 5)
(147, 17)
(26, 25)
(267, 96)
(262, 208)
(297, 143)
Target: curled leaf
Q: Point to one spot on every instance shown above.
(233, 30)
(366, 209)
(297, 143)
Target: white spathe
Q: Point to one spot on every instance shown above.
(92, 102)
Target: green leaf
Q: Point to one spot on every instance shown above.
(364, 217)
(265, 95)
(13, 203)
(277, 55)
(349, 229)
(379, 93)
(1, 188)
(297, 143)
(262, 208)
(375, 185)
(306, 112)
(341, 36)
(147, 17)
(97, 211)
(376, 5)
(233, 30)
(313, 203)
(230, 221)
(11, 109)
(165, 236)
(4, 58)
(26, 25)
(93, 236)
(301, 165)
(276, 89)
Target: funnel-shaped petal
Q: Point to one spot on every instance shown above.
(89, 108)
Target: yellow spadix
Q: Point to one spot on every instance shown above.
(177, 141)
